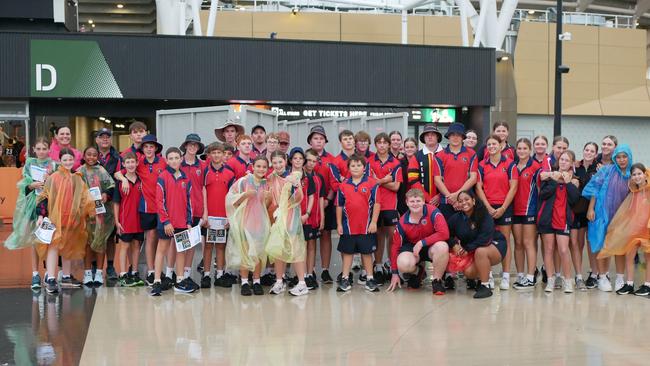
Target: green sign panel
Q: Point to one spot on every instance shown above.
(438, 115)
(70, 69)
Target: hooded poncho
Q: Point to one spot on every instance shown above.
(286, 240)
(102, 228)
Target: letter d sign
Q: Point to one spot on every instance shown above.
(39, 77)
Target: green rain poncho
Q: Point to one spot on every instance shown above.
(98, 233)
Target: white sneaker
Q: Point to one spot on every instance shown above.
(505, 284)
(558, 283)
(550, 285)
(356, 263)
(620, 282)
(299, 290)
(568, 287)
(88, 278)
(491, 281)
(99, 277)
(604, 284)
(278, 288)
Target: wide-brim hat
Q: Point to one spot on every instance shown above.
(219, 131)
(195, 139)
(319, 130)
(151, 139)
(456, 127)
(430, 128)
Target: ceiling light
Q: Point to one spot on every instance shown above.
(102, 118)
(531, 12)
(93, 26)
(502, 58)
(119, 6)
(90, 21)
(107, 121)
(295, 10)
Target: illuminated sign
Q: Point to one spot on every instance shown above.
(442, 115)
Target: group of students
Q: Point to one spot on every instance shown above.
(455, 207)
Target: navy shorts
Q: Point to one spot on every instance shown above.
(502, 246)
(388, 218)
(162, 235)
(424, 252)
(195, 221)
(550, 230)
(447, 210)
(363, 244)
(506, 218)
(128, 238)
(310, 232)
(330, 216)
(524, 220)
(148, 221)
(580, 221)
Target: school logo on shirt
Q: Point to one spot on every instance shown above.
(364, 190)
(526, 175)
(183, 184)
(198, 172)
(465, 159)
(503, 170)
(159, 170)
(423, 222)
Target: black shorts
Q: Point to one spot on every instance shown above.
(148, 221)
(128, 238)
(524, 220)
(310, 232)
(424, 252)
(580, 221)
(330, 216)
(195, 221)
(550, 230)
(447, 210)
(363, 244)
(162, 235)
(388, 218)
(502, 246)
(506, 218)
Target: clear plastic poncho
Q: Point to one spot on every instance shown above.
(249, 224)
(286, 240)
(104, 224)
(24, 221)
(69, 205)
(630, 226)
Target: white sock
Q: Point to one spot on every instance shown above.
(363, 272)
(99, 271)
(593, 275)
(647, 284)
(179, 279)
(278, 281)
(520, 275)
(619, 277)
(370, 278)
(557, 274)
(578, 277)
(149, 272)
(122, 274)
(256, 280)
(168, 272)
(631, 283)
(219, 273)
(506, 276)
(530, 278)
(187, 272)
(244, 281)
(302, 284)
(35, 273)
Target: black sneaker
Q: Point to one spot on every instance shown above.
(311, 282)
(194, 285)
(371, 285)
(174, 277)
(379, 277)
(199, 267)
(482, 292)
(414, 281)
(362, 279)
(223, 281)
(70, 282)
(626, 290)
(185, 286)
(472, 284)
(591, 282)
(291, 282)
(126, 281)
(437, 287)
(535, 275)
(449, 282)
(544, 275)
(325, 277)
(156, 289)
(138, 280)
(642, 291)
(258, 290)
(206, 282)
(268, 279)
(149, 279)
(166, 283)
(350, 278)
(344, 285)
(231, 278)
(111, 275)
(51, 286)
(524, 284)
(246, 290)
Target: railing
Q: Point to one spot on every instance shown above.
(572, 17)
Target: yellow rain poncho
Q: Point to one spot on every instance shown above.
(286, 241)
(249, 224)
(102, 228)
(630, 226)
(68, 205)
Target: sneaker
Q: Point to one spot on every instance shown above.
(472, 284)
(449, 282)
(246, 290)
(206, 282)
(604, 284)
(98, 278)
(156, 289)
(371, 285)
(535, 276)
(415, 281)
(568, 287)
(278, 288)
(524, 284)
(185, 286)
(344, 285)
(625, 289)
(292, 281)
(550, 284)
(518, 280)
(591, 282)
(379, 277)
(174, 277)
(136, 278)
(491, 281)
(299, 290)
(544, 275)
(223, 281)
(192, 283)
(437, 287)
(126, 281)
(350, 278)
(311, 282)
(36, 282)
(580, 284)
(505, 284)
(70, 282)
(167, 283)
(558, 283)
(362, 279)
(642, 291)
(199, 267)
(149, 279)
(231, 278)
(268, 279)
(325, 277)
(482, 292)
(88, 279)
(258, 290)
(51, 286)
(356, 263)
(619, 284)
(111, 275)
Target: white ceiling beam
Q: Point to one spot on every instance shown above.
(583, 5)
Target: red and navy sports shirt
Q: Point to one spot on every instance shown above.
(496, 178)
(217, 184)
(173, 198)
(239, 166)
(431, 228)
(319, 187)
(308, 189)
(456, 168)
(129, 218)
(421, 170)
(339, 170)
(525, 201)
(392, 167)
(148, 173)
(508, 152)
(196, 174)
(357, 202)
(323, 168)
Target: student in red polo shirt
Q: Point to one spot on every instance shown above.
(496, 188)
(137, 131)
(317, 139)
(241, 162)
(423, 166)
(127, 221)
(420, 236)
(194, 169)
(150, 165)
(457, 169)
(357, 211)
(218, 180)
(339, 166)
(362, 144)
(316, 216)
(173, 195)
(502, 131)
(387, 171)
